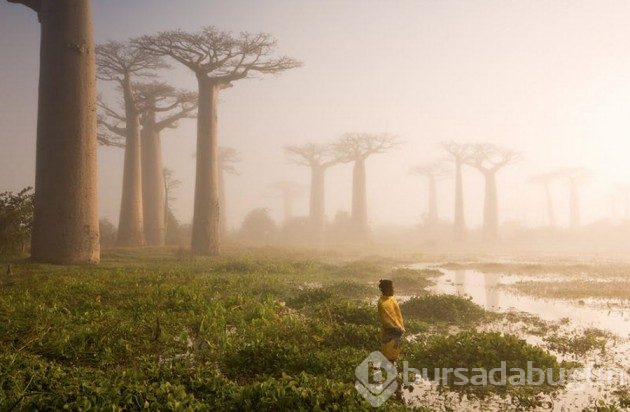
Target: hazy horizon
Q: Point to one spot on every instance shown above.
(550, 80)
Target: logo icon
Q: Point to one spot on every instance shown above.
(375, 387)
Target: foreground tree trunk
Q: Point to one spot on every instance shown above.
(490, 208)
(359, 198)
(153, 194)
(65, 225)
(317, 200)
(459, 225)
(206, 218)
(131, 222)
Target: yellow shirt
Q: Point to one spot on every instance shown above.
(389, 313)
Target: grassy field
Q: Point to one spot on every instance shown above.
(252, 330)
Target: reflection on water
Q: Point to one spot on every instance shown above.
(485, 290)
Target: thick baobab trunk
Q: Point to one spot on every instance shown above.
(433, 214)
(359, 198)
(65, 226)
(491, 208)
(459, 224)
(205, 229)
(317, 202)
(222, 201)
(131, 225)
(551, 216)
(153, 195)
(574, 205)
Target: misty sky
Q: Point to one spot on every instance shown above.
(548, 78)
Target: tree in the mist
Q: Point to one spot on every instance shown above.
(258, 226)
(357, 148)
(287, 191)
(575, 178)
(65, 221)
(458, 154)
(433, 172)
(228, 158)
(121, 63)
(318, 158)
(488, 159)
(544, 180)
(16, 220)
(217, 59)
(161, 106)
(172, 225)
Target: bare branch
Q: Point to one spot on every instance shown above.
(312, 155)
(489, 158)
(433, 169)
(457, 152)
(116, 60)
(359, 146)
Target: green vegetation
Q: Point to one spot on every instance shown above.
(575, 289)
(579, 343)
(16, 219)
(255, 330)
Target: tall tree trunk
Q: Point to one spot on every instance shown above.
(459, 224)
(491, 208)
(130, 226)
(317, 202)
(65, 226)
(551, 216)
(574, 204)
(205, 230)
(359, 198)
(433, 214)
(153, 196)
(222, 201)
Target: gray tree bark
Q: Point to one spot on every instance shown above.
(359, 198)
(65, 225)
(459, 225)
(153, 194)
(206, 216)
(131, 222)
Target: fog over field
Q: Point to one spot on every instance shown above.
(550, 80)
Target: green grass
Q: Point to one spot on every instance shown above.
(156, 329)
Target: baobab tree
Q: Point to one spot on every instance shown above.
(228, 158)
(357, 148)
(458, 154)
(287, 191)
(217, 59)
(575, 177)
(161, 107)
(65, 226)
(489, 159)
(121, 63)
(545, 180)
(432, 171)
(318, 158)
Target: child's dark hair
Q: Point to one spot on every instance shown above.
(386, 286)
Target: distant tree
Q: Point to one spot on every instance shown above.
(458, 154)
(287, 191)
(432, 171)
(217, 59)
(318, 158)
(65, 225)
(357, 148)
(575, 177)
(258, 226)
(489, 159)
(108, 233)
(545, 180)
(172, 235)
(16, 221)
(162, 107)
(228, 158)
(120, 63)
